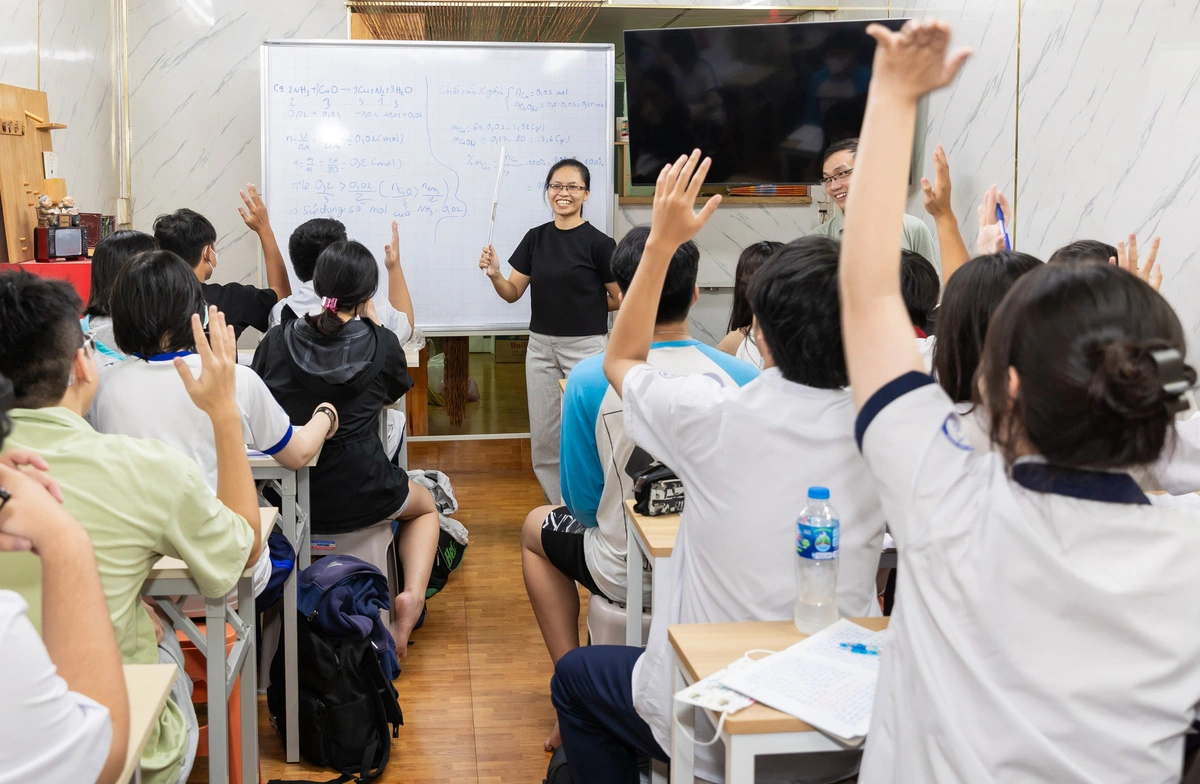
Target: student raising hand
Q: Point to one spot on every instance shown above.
(675, 221)
(875, 324)
(1147, 270)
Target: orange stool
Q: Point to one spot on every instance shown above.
(196, 667)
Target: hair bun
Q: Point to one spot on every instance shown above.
(1130, 381)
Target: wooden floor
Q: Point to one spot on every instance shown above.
(475, 687)
(502, 408)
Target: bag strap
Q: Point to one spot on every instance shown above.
(342, 779)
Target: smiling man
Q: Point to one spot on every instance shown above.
(837, 173)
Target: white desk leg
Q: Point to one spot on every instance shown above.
(658, 582)
(218, 708)
(291, 681)
(304, 502)
(739, 761)
(633, 587)
(249, 685)
(683, 731)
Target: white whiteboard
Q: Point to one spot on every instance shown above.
(368, 132)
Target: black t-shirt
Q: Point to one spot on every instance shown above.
(567, 271)
(243, 306)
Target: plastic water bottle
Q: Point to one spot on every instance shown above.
(817, 538)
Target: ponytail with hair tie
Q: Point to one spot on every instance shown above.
(330, 304)
(1140, 380)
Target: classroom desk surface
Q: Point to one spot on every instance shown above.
(168, 568)
(704, 648)
(259, 460)
(658, 533)
(148, 686)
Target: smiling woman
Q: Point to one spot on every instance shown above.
(836, 174)
(565, 263)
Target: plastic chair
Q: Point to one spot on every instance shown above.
(196, 667)
(374, 544)
(606, 622)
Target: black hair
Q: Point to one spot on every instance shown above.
(39, 335)
(1080, 337)
(6, 405)
(584, 172)
(845, 145)
(1084, 250)
(920, 286)
(751, 258)
(307, 242)
(185, 233)
(794, 296)
(972, 294)
(111, 253)
(154, 297)
(345, 271)
(679, 287)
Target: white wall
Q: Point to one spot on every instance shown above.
(75, 55)
(194, 108)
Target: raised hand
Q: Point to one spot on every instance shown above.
(489, 262)
(675, 219)
(1127, 259)
(255, 211)
(914, 61)
(215, 391)
(991, 233)
(391, 252)
(937, 194)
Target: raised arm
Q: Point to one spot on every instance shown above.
(674, 222)
(215, 393)
(937, 203)
(398, 296)
(76, 627)
(509, 290)
(875, 324)
(255, 216)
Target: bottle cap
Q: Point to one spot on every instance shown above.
(818, 493)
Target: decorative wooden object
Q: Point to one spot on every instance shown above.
(23, 113)
(472, 20)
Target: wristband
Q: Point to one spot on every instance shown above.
(333, 418)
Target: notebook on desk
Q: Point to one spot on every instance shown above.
(821, 680)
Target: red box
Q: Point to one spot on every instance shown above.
(77, 273)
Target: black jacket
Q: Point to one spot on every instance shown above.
(360, 370)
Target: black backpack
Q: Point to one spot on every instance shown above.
(346, 705)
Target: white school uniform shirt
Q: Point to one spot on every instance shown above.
(47, 732)
(1046, 627)
(747, 351)
(925, 346)
(147, 399)
(595, 450)
(747, 457)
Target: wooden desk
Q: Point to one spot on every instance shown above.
(149, 685)
(649, 541)
(170, 582)
(697, 651)
(295, 523)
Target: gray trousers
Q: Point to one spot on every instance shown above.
(548, 360)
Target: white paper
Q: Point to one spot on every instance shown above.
(710, 694)
(50, 165)
(818, 681)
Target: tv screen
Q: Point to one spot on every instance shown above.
(68, 241)
(764, 101)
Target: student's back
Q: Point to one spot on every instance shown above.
(747, 457)
(359, 367)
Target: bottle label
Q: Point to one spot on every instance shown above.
(818, 540)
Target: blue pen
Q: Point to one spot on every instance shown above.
(1003, 228)
(858, 647)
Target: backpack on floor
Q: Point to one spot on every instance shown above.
(558, 772)
(449, 557)
(346, 705)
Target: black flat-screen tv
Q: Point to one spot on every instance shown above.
(764, 101)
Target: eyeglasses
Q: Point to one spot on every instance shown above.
(831, 179)
(557, 187)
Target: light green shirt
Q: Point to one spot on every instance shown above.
(916, 236)
(139, 500)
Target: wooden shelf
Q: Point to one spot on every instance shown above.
(727, 199)
(50, 126)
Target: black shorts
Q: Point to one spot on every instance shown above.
(562, 541)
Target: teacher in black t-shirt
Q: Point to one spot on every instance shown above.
(566, 262)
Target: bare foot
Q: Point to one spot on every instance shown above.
(555, 739)
(405, 614)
